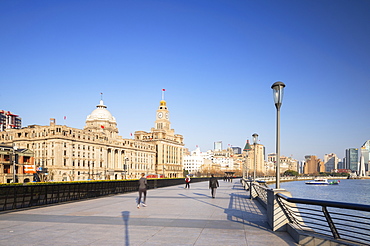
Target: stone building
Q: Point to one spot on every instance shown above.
(168, 145)
(97, 152)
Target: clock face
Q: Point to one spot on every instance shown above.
(167, 116)
(160, 115)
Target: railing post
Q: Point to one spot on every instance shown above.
(330, 223)
(252, 189)
(275, 215)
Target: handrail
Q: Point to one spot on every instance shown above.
(354, 206)
(339, 224)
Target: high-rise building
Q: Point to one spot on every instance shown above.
(8, 120)
(217, 145)
(313, 165)
(365, 152)
(330, 162)
(352, 159)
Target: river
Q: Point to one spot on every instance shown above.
(348, 190)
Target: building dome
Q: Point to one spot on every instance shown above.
(101, 113)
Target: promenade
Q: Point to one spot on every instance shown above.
(174, 216)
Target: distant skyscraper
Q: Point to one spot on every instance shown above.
(8, 120)
(365, 152)
(313, 165)
(352, 159)
(237, 150)
(330, 162)
(218, 145)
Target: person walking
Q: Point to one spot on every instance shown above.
(213, 184)
(143, 182)
(187, 182)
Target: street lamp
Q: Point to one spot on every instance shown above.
(14, 162)
(255, 139)
(126, 167)
(278, 92)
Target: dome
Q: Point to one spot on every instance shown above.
(101, 113)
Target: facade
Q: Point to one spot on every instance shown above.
(168, 145)
(97, 152)
(352, 159)
(8, 120)
(313, 165)
(21, 160)
(330, 162)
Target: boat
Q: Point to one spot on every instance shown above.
(334, 182)
(322, 182)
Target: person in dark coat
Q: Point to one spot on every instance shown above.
(142, 190)
(213, 184)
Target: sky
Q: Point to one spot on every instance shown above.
(216, 59)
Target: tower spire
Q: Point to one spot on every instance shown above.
(163, 90)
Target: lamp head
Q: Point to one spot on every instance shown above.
(278, 92)
(255, 138)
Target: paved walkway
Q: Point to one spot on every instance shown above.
(174, 216)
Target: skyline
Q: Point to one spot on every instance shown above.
(217, 61)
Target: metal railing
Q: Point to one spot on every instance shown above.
(346, 221)
(24, 196)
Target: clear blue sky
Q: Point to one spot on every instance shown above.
(216, 59)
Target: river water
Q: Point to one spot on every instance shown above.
(348, 190)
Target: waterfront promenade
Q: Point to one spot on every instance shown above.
(174, 216)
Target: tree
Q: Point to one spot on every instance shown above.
(290, 173)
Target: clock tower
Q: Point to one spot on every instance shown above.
(169, 146)
(162, 121)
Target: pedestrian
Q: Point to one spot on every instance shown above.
(213, 184)
(143, 182)
(187, 182)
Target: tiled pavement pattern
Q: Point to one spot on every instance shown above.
(174, 216)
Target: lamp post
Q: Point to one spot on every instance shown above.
(278, 92)
(126, 167)
(255, 139)
(14, 162)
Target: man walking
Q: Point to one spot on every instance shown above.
(213, 184)
(142, 190)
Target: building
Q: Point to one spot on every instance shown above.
(224, 158)
(237, 150)
(352, 159)
(217, 145)
(21, 160)
(330, 162)
(168, 145)
(97, 152)
(254, 159)
(313, 165)
(365, 152)
(286, 163)
(196, 160)
(8, 120)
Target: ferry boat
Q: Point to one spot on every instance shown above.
(323, 182)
